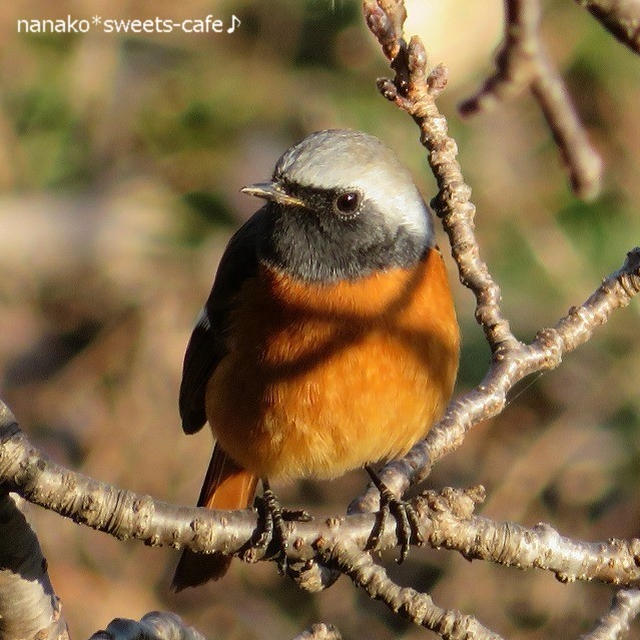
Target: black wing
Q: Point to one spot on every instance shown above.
(207, 344)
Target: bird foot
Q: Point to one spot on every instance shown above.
(407, 521)
(273, 530)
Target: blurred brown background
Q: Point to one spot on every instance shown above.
(121, 157)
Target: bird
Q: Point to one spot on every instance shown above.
(329, 341)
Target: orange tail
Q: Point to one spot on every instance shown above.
(226, 486)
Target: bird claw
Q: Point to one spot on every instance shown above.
(264, 531)
(408, 526)
(296, 515)
(407, 521)
(273, 530)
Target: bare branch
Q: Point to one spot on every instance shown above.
(447, 517)
(522, 63)
(409, 603)
(513, 364)
(620, 17)
(29, 608)
(510, 365)
(122, 514)
(415, 91)
(582, 161)
(156, 625)
(613, 625)
(515, 60)
(446, 520)
(452, 525)
(125, 514)
(320, 632)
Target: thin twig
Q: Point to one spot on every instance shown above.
(515, 60)
(522, 63)
(409, 603)
(415, 90)
(620, 17)
(615, 623)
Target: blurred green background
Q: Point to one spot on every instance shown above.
(121, 157)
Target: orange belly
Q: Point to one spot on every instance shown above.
(323, 378)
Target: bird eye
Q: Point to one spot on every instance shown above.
(348, 202)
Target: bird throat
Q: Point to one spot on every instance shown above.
(321, 247)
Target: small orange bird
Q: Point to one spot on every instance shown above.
(329, 340)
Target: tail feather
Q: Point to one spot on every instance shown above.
(226, 486)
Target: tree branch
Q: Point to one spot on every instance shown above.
(446, 520)
(29, 608)
(320, 632)
(415, 90)
(613, 625)
(620, 17)
(522, 63)
(409, 603)
(156, 625)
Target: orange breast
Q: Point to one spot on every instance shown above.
(323, 378)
